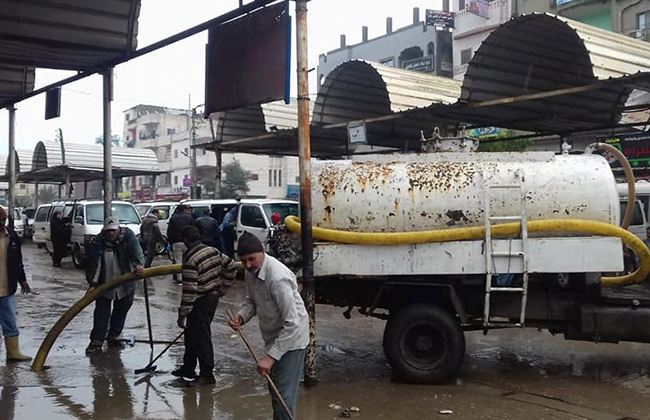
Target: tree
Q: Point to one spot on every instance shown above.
(235, 180)
(47, 194)
(505, 145)
(115, 139)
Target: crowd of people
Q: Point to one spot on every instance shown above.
(208, 271)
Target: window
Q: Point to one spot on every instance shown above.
(55, 209)
(23, 186)
(175, 179)
(140, 182)
(461, 5)
(79, 213)
(171, 131)
(280, 178)
(204, 152)
(637, 215)
(125, 213)
(41, 214)
(252, 216)
(285, 209)
(255, 177)
(126, 117)
(298, 180)
(142, 209)
(198, 211)
(390, 61)
(176, 154)
(275, 178)
(270, 178)
(465, 56)
(643, 20)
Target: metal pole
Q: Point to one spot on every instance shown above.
(12, 160)
(217, 184)
(68, 185)
(193, 153)
(36, 195)
(108, 160)
(309, 295)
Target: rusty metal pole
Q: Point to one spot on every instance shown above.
(309, 290)
(11, 202)
(108, 158)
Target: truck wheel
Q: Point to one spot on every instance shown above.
(424, 344)
(77, 257)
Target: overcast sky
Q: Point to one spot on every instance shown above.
(169, 76)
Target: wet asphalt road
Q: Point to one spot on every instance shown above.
(507, 374)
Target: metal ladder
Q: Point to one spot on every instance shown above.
(490, 254)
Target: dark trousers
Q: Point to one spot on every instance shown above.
(150, 248)
(107, 321)
(59, 251)
(198, 336)
(286, 374)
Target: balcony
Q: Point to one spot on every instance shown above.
(642, 34)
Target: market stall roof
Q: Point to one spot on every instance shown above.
(537, 73)
(15, 81)
(71, 34)
(85, 162)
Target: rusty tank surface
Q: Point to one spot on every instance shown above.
(413, 192)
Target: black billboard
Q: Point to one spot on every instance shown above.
(636, 148)
(440, 19)
(248, 60)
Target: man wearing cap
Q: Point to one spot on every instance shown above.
(115, 251)
(181, 218)
(272, 295)
(12, 273)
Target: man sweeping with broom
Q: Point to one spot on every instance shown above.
(272, 295)
(207, 275)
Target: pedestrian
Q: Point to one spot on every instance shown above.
(115, 251)
(272, 295)
(207, 275)
(151, 236)
(60, 233)
(209, 229)
(227, 231)
(12, 273)
(181, 218)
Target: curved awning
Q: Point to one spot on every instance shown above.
(72, 34)
(85, 162)
(23, 162)
(542, 52)
(361, 89)
(15, 81)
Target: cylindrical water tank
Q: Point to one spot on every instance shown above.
(397, 193)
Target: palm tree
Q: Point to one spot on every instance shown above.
(47, 194)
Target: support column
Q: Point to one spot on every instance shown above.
(11, 199)
(85, 189)
(309, 295)
(108, 159)
(217, 184)
(36, 195)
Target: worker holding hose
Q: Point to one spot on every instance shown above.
(272, 295)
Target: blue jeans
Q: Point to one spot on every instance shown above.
(105, 320)
(8, 316)
(286, 374)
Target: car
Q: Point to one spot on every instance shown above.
(165, 211)
(41, 225)
(27, 216)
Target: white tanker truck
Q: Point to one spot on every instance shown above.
(403, 238)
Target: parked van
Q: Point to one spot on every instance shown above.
(254, 216)
(41, 225)
(639, 224)
(165, 211)
(217, 208)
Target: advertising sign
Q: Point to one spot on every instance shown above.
(635, 147)
(440, 19)
(479, 7)
(423, 64)
(248, 60)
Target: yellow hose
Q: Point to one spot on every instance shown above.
(51, 337)
(474, 233)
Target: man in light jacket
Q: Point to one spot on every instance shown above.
(272, 295)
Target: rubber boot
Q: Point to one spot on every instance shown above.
(13, 352)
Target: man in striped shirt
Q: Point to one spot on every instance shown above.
(207, 275)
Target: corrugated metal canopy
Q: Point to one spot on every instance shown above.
(361, 89)
(15, 81)
(23, 161)
(541, 52)
(67, 34)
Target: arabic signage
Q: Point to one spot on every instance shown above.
(440, 19)
(478, 7)
(485, 133)
(635, 147)
(423, 64)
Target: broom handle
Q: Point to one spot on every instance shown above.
(240, 331)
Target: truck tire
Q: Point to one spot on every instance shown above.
(424, 344)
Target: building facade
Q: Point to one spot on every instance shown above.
(415, 47)
(168, 131)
